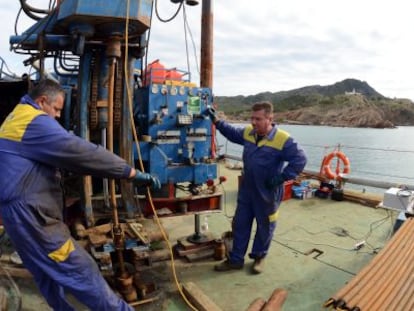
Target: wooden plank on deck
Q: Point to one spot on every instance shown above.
(200, 300)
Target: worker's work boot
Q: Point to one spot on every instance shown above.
(258, 265)
(227, 265)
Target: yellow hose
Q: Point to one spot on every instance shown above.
(149, 196)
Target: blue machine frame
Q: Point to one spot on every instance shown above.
(178, 139)
(179, 136)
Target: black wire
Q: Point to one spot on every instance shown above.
(37, 26)
(321, 261)
(33, 9)
(346, 233)
(17, 20)
(168, 19)
(52, 4)
(63, 58)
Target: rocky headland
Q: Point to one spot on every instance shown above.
(350, 103)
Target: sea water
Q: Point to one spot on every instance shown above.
(375, 154)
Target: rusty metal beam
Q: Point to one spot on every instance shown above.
(206, 70)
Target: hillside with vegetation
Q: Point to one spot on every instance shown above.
(349, 103)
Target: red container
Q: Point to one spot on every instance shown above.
(173, 75)
(155, 73)
(287, 190)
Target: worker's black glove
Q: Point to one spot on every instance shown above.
(274, 181)
(145, 179)
(212, 114)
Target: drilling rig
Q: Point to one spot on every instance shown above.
(150, 115)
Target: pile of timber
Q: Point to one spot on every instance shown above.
(203, 303)
(274, 303)
(386, 283)
(367, 199)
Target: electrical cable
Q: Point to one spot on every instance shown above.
(172, 17)
(37, 26)
(145, 63)
(17, 20)
(32, 9)
(322, 261)
(9, 73)
(188, 28)
(186, 40)
(346, 233)
(225, 202)
(149, 196)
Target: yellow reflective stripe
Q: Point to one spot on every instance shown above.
(63, 252)
(279, 140)
(15, 125)
(273, 217)
(247, 136)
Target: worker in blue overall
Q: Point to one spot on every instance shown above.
(32, 146)
(270, 157)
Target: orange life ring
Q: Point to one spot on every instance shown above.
(326, 165)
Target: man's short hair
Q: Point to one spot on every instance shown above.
(46, 87)
(265, 105)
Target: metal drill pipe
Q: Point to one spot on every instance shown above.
(406, 290)
(392, 278)
(116, 226)
(394, 275)
(388, 254)
(357, 292)
(407, 303)
(83, 97)
(111, 135)
(402, 290)
(369, 291)
(349, 289)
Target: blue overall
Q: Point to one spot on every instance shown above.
(32, 145)
(276, 154)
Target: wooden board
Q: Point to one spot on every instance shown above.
(208, 253)
(3, 299)
(200, 300)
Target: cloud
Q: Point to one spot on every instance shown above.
(273, 45)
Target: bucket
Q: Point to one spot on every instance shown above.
(154, 73)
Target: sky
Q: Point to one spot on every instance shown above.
(273, 45)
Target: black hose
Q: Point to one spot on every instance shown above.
(30, 11)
